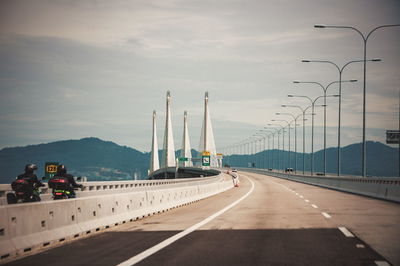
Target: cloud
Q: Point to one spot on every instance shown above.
(99, 68)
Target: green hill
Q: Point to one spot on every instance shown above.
(105, 160)
(91, 157)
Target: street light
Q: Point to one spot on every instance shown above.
(312, 123)
(283, 143)
(288, 123)
(295, 135)
(365, 40)
(340, 94)
(262, 137)
(304, 129)
(325, 88)
(273, 145)
(266, 132)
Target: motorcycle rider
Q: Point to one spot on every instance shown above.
(32, 179)
(62, 173)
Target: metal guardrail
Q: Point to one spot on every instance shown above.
(387, 188)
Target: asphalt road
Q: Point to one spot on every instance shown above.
(277, 222)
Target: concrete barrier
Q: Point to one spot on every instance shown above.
(95, 188)
(26, 228)
(6, 246)
(380, 188)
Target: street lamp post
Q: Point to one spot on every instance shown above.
(265, 132)
(283, 143)
(365, 38)
(295, 135)
(312, 123)
(304, 129)
(325, 88)
(340, 69)
(276, 131)
(288, 124)
(262, 134)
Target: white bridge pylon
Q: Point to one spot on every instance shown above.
(207, 142)
(154, 161)
(206, 146)
(168, 147)
(186, 152)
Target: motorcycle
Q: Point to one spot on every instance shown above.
(61, 188)
(23, 192)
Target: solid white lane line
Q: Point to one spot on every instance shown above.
(314, 206)
(382, 263)
(326, 215)
(306, 200)
(141, 256)
(346, 232)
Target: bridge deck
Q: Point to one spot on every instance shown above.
(279, 223)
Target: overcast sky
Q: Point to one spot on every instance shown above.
(73, 69)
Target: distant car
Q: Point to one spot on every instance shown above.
(234, 170)
(289, 170)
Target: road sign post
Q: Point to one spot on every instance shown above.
(392, 136)
(50, 169)
(205, 159)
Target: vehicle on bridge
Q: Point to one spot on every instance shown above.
(25, 186)
(63, 184)
(289, 170)
(23, 192)
(61, 188)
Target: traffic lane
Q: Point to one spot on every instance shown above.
(183, 217)
(220, 243)
(109, 248)
(150, 230)
(270, 206)
(265, 247)
(375, 221)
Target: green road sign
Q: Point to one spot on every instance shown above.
(50, 169)
(183, 159)
(206, 160)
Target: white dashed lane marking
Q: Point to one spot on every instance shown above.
(306, 200)
(346, 232)
(327, 216)
(382, 263)
(314, 206)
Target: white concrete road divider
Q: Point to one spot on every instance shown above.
(96, 188)
(31, 227)
(387, 188)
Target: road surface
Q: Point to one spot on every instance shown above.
(266, 221)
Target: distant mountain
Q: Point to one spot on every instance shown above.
(105, 160)
(382, 160)
(91, 157)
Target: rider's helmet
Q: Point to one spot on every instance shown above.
(61, 169)
(29, 168)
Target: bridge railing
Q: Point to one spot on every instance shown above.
(387, 188)
(110, 187)
(26, 228)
